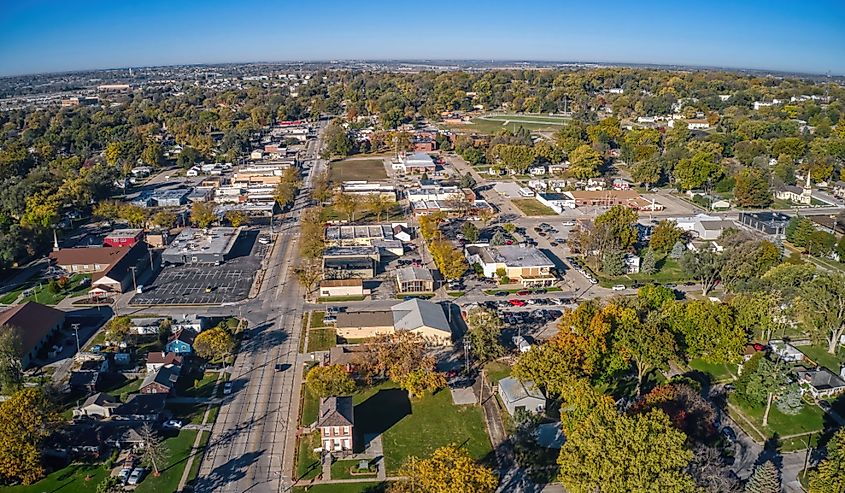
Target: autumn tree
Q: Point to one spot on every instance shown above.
(154, 451)
(213, 344)
(664, 236)
(752, 189)
(484, 328)
(420, 381)
(620, 223)
(321, 189)
(829, 476)
(236, 218)
(704, 266)
(163, 219)
(615, 453)
(329, 380)
(348, 204)
(379, 204)
(694, 172)
(309, 273)
(26, 418)
(202, 214)
(117, 329)
(707, 330)
(449, 469)
(584, 162)
(687, 409)
(285, 191)
(449, 260)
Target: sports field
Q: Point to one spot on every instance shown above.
(492, 122)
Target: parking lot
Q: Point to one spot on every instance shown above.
(207, 284)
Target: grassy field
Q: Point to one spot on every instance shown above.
(532, 207)
(128, 387)
(70, 479)
(307, 462)
(317, 319)
(719, 372)
(364, 487)
(809, 419)
(180, 448)
(497, 371)
(492, 123)
(357, 169)
(202, 387)
(821, 357)
(42, 294)
(321, 339)
(417, 427)
(668, 271)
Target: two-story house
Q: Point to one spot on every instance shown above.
(336, 423)
(181, 342)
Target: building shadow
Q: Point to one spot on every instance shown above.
(380, 412)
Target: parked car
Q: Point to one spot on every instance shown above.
(524, 292)
(136, 476)
(618, 287)
(174, 424)
(515, 302)
(729, 433)
(227, 388)
(501, 293)
(123, 475)
(264, 240)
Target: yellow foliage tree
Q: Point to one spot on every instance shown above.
(449, 469)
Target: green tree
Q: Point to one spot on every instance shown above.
(470, 232)
(110, 484)
(752, 189)
(619, 453)
(769, 380)
(649, 265)
(764, 479)
(483, 333)
(664, 236)
(829, 476)
(620, 223)
(799, 230)
(694, 172)
(11, 367)
(613, 263)
(821, 308)
(515, 157)
(236, 218)
(584, 162)
(449, 468)
(707, 330)
(704, 266)
(202, 214)
(650, 346)
(348, 204)
(329, 381)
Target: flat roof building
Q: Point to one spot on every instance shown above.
(198, 246)
(525, 265)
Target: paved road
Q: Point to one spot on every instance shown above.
(252, 445)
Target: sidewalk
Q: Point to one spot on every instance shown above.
(203, 428)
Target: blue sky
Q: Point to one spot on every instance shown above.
(45, 36)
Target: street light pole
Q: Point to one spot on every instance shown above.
(76, 331)
(134, 281)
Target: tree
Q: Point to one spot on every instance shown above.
(704, 266)
(420, 381)
(686, 408)
(11, 367)
(329, 381)
(820, 243)
(202, 214)
(110, 484)
(213, 344)
(515, 157)
(664, 236)
(467, 181)
(616, 453)
(449, 469)
(707, 330)
(799, 230)
(829, 476)
(152, 154)
(163, 219)
(584, 162)
(154, 451)
(766, 381)
(27, 417)
(821, 308)
(694, 172)
(337, 142)
(649, 265)
(752, 189)
(764, 479)
(650, 346)
(285, 191)
(309, 273)
(236, 218)
(449, 260)
(678, 250)
(379, 204)
(470, 232)
(117, 329)
(613, 263)
(620, 223)
(321, 189)
(394, 356)
(133, 214)
(484, 330)
(348, 204)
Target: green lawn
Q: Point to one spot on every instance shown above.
(310, 407)
(43, 295)
(189, 413)
(307, 461)
(201, 387)
(129, 387)
(11, 296)
(180, 448)
(719, 372)
(820, 356)
(342, 469)
(321, 339)
(317, 319)
(195, 466)
(331, 299)
(70, 479)
(364, 487)
(418, 427)
(532, 207)
(668, 271)
(496, 371)
(809, 419)
(357, 169)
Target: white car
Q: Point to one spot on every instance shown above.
(136, 476)
(264, 240)
(173, 424)
(619, 287)
(123, 475)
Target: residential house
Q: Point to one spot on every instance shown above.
(631, 263)
(125, 438)
(158, 359)
(336, 422)
(34, 324)
(786, 351)
(142, 407)
(195, 323)
(821, 383)
(415, 315)
(332, 288)
(161, 381)
(348, 356)
(84, 381)
(146, 326)
(99, 405)
(180, 342)
(414, 280)
(521, 395)
(527, 266)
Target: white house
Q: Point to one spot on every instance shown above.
(632, 263)
(795, 195)
(557, 201)
(537, 170)
(521, 396)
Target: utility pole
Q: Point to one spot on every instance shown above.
(134, 281)
(76, 331)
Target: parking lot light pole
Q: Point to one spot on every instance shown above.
(76, 331)
(134, 281)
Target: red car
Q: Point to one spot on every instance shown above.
(517, 302)
(523, 293)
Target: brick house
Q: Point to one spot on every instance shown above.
(336, 422)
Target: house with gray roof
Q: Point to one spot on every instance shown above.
(521, 395)
(336, 422)
(419, 316)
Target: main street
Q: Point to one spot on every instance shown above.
(252, 444)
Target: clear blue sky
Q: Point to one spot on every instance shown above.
(44, 36)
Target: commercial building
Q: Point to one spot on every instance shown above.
(350, 262)
(417, 162)
(414, 280)
(770, 223)
(361, 235)
(34, 324)
(527, 266)
(704, 226)
(556, 201)
(366, 188)
(112, 268)
(417, 316)
(123, 237)
(332, 288)
(439, 193)
(197, 246)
